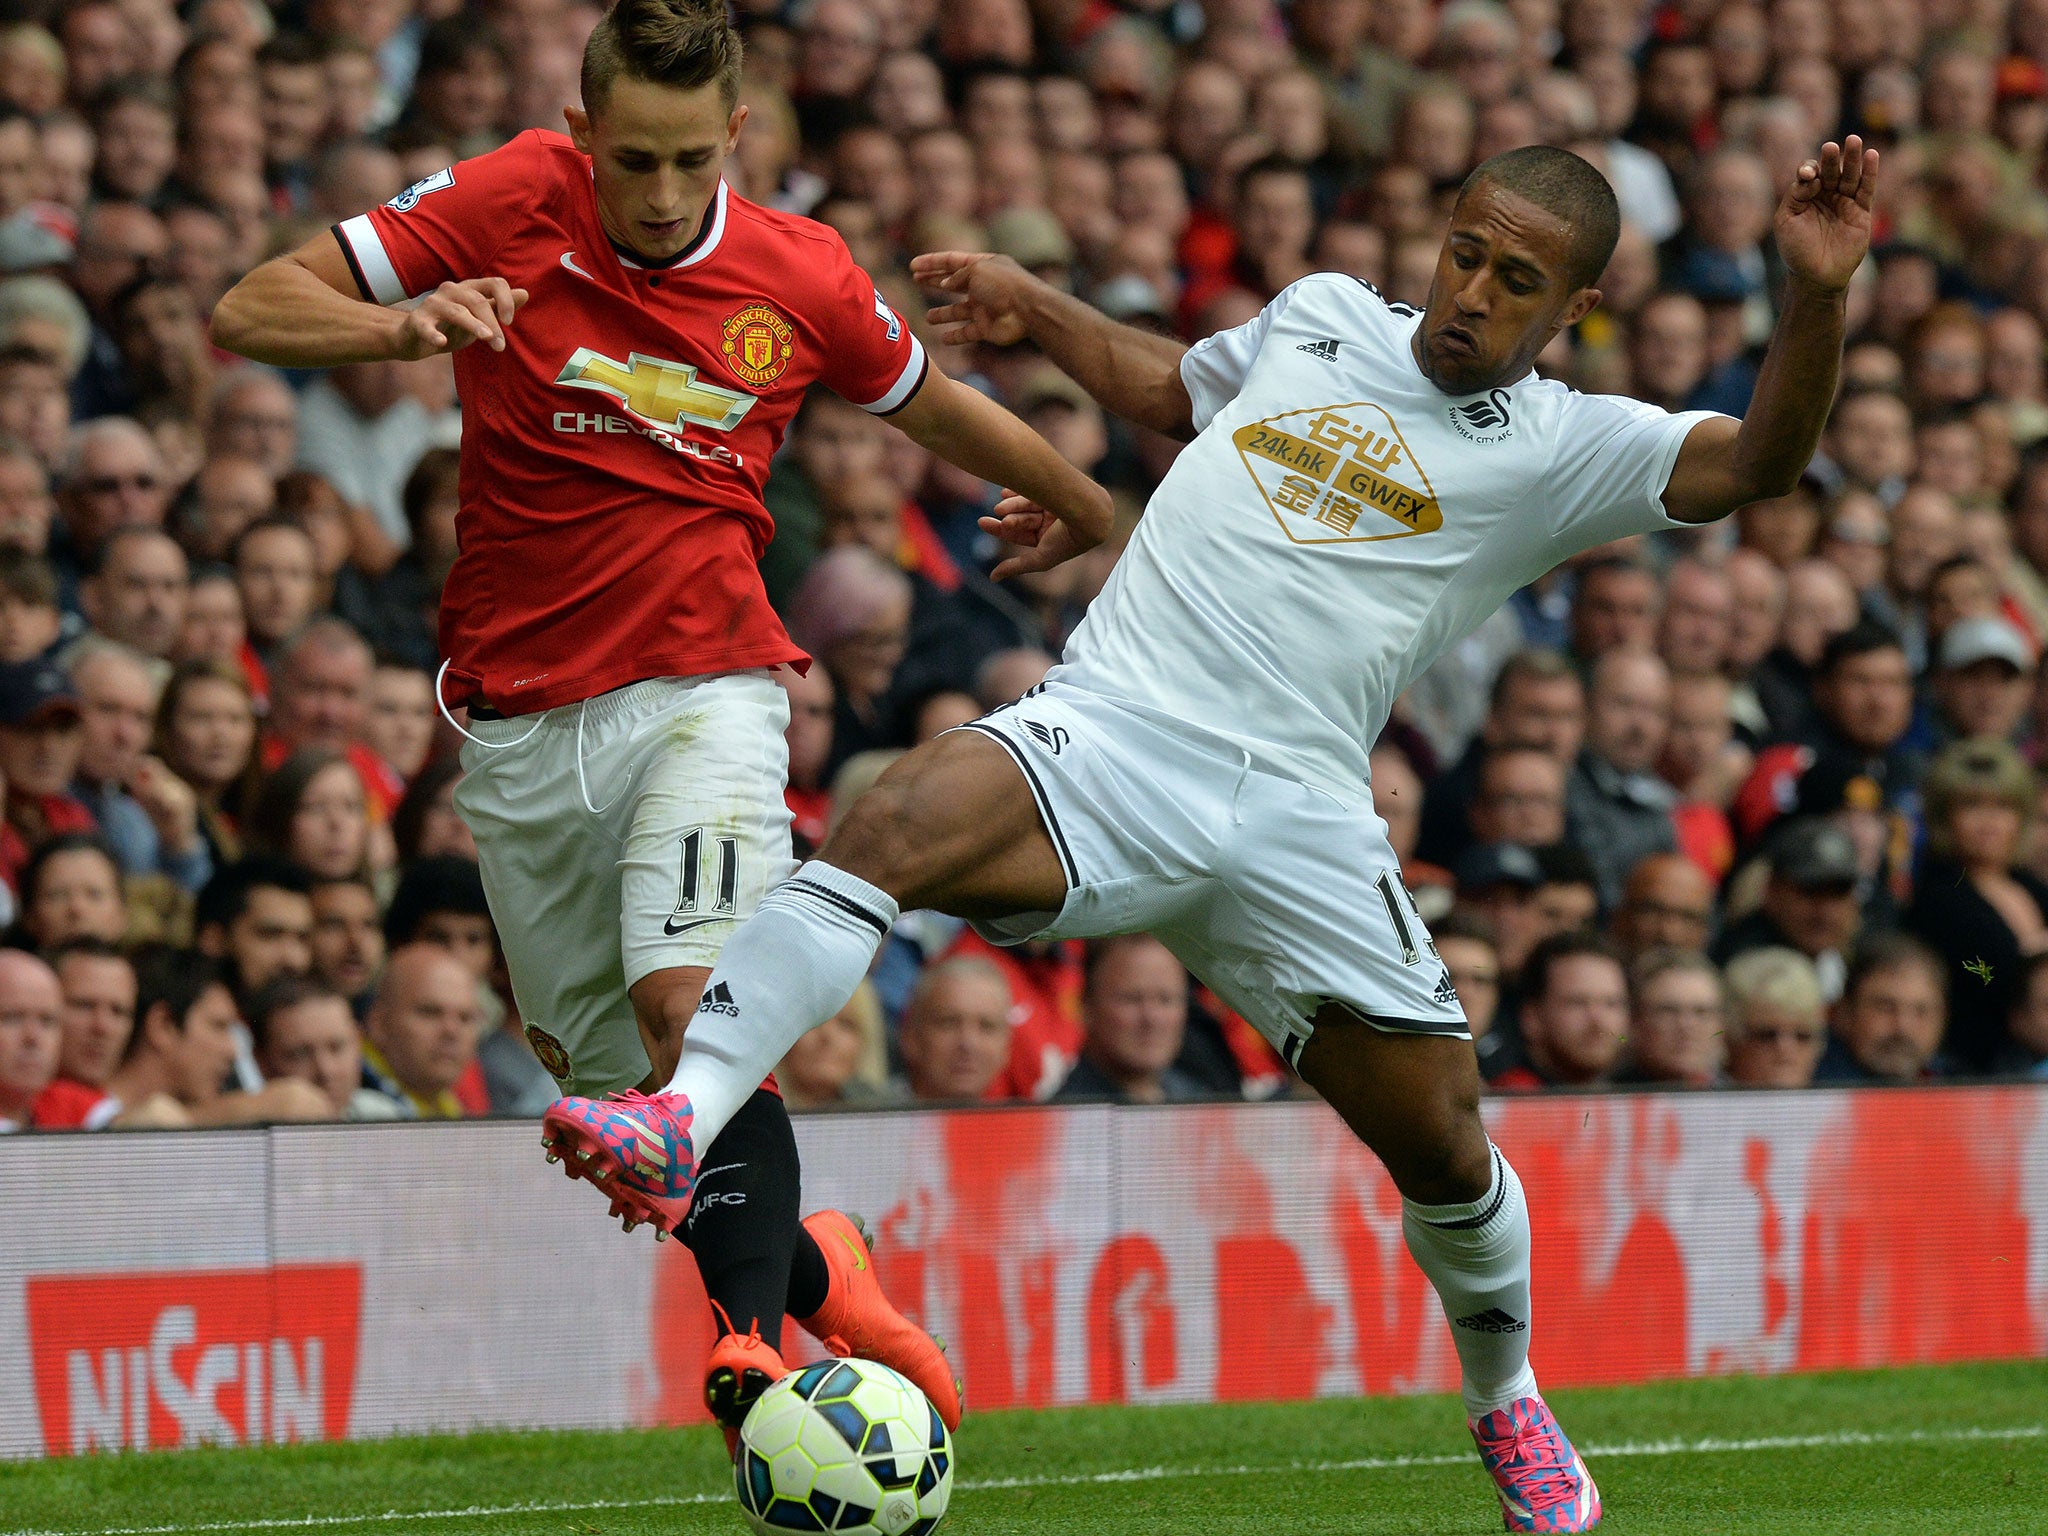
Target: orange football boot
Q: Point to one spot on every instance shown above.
(739, 1371)
(857, 1319)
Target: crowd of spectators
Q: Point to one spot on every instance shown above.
(1760, 804)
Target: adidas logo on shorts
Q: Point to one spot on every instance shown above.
(1492, 1320)
(719, 1000)
(1445, 992)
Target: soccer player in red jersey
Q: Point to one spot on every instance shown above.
(630, 340)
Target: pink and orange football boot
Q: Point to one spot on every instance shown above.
(634, 1146)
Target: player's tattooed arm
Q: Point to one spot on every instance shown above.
(1822, 229)
(1134, 373)
(305, 310)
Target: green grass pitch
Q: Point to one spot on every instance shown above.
(1960, 1451)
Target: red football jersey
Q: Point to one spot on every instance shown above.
(613, 454)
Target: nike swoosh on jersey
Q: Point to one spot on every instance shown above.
(672, 927)
(569, 261)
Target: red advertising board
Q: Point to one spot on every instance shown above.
(238, 1357)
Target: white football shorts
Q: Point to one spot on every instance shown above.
(621, 836)
(1280, 896)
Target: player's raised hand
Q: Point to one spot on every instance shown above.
(456, 314)
(992, 293)
(1041, 541)
(1823, 224)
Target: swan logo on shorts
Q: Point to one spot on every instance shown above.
(550, 1051)
(1053, 738)
(1339, 474)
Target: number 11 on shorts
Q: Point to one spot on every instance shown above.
(689, 884)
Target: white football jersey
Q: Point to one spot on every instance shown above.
(1339, 521)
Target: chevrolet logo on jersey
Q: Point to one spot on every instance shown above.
(658, 392)
(1325, 472)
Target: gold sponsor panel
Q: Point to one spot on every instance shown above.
(1323, 471)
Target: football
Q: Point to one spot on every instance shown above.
(844, 1445)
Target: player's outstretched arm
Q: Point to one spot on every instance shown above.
(1823, 233)
(965, 427)
(1134, 374)
(303, 311)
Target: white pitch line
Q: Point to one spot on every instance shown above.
(1839, 1440)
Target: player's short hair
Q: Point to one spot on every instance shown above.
(1561, 183)
(680, 43)
(286, 991)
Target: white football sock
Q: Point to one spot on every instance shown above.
(785, 970)
(1477, 1257)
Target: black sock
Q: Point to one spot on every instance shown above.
(809, 1279)
(743, 1224)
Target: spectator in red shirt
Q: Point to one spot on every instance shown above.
(320, 697)
(98, 985)
(31, 1034)
(1045, 982)
(40, 738)
(955, 1035)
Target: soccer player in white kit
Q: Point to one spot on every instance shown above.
(1365, 485)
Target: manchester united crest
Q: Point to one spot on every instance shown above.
(759, 344)
(550, 1052)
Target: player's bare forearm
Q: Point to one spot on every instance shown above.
(1822, 229)
(303, 311)
(966, 428)
(289, 313)
(1133, 373)
(1725, 464)
(1795, 390)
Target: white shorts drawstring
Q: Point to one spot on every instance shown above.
(441, 703)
